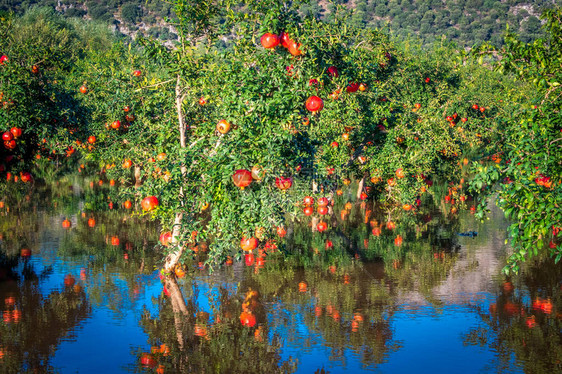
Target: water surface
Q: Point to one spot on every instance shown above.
(90, 299)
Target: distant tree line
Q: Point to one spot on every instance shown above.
(466, 22)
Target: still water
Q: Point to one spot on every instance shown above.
(90, 299)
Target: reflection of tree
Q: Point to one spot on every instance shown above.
(344, 283)
(199, 343)
(348, 296)
(114, 250)
(423, 258)
(339, 304)
(32, 324)
(525, 320)
(60, 197)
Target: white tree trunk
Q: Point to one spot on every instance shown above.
(138, 179)
(360, 187)
(173, 258)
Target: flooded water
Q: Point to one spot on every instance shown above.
(90, 299)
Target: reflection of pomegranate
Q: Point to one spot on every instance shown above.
(542, 305)
(510, 308)
(317, 311)
(69, 280)
(9, 301)
(247, 319)
(25, 252)
(507, 287)
(531, 322)
(148, 360)
(249, 259)
(200, 330)
(16, 315)
(260, 261)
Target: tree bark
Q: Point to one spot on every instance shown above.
(360, 187)
(173, 258)
(314, 187)
(181, 121)
(138, 179)
(314, 222)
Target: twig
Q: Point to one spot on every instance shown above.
(155, 85)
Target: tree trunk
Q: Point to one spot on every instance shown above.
(138, 179)
(314, 221)
(173, 258)
(360, 187)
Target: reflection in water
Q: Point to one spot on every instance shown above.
(231, 337)
(376, 292)
(525, 319)
(34, 324)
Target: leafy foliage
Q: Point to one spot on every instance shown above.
(178, 122)
(396, 123)
(531, 170)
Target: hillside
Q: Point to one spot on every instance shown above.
(464, 21)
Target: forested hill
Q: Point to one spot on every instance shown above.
(464, 21)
